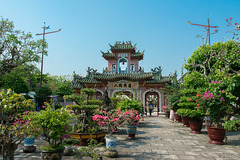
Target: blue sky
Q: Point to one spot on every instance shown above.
(160, 27)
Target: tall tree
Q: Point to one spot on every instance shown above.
(18, 49)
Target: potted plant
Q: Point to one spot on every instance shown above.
(110, 121)
(131, 119)
(55, 126)
(166, 111)
(84, 127)
(13, 128)
(217, 103)
(196, 120)
(184, 113)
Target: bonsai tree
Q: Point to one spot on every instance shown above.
(84, 110)
(13, 128)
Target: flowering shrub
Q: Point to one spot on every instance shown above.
(110, 120)
(216, 102)
(13, 130)
(54, 125)
(131, 117)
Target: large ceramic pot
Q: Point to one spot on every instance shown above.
(131, 131)
(29, 145)
(178, 118)
(111, 142)
(52, 155)
(196, 126)
(216, 135)
(185, 121)
(84, 137)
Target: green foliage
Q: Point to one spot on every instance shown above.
(92, 150)
(194, 80)
(189, 105)
(128, 104)
(232, 125)
(55, 124)
(71, 141)
(78, 99)
(42, 94)
(60, 85)
(83, 107)
(18, 49)
(90, 127)
(115, 101)
(12, 103)
(93, 102)
(230, 50)
(184, 112)
(196, 114)
(51, 147)
(15, 82)
(173, 93)
(12, 130)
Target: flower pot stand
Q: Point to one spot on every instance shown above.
(216, 135)
(131, 131)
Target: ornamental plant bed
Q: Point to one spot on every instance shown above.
(84, 137)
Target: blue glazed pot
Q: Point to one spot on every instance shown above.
(131, 131)
(111, 142)
(29, 141)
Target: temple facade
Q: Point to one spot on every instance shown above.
(123, 74)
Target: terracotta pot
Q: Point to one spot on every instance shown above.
(196, 126)
(185, 121)
(216, 135)
(178, 118)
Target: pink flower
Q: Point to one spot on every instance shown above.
(49, 130)
(43, 106)
(222, 99)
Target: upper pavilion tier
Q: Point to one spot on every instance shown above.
(123, 47)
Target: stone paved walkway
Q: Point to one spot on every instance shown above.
(159, 139)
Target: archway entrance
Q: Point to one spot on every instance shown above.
(154, 98)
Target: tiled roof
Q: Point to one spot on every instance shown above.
(123, 46)
(162, 80)
(142, 76)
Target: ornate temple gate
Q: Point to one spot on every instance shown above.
(123, 74)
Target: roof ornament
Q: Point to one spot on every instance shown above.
(90, 71)
(134, 45)
(75, 76)
(157, 71)
(129, 42)
(111, 45)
